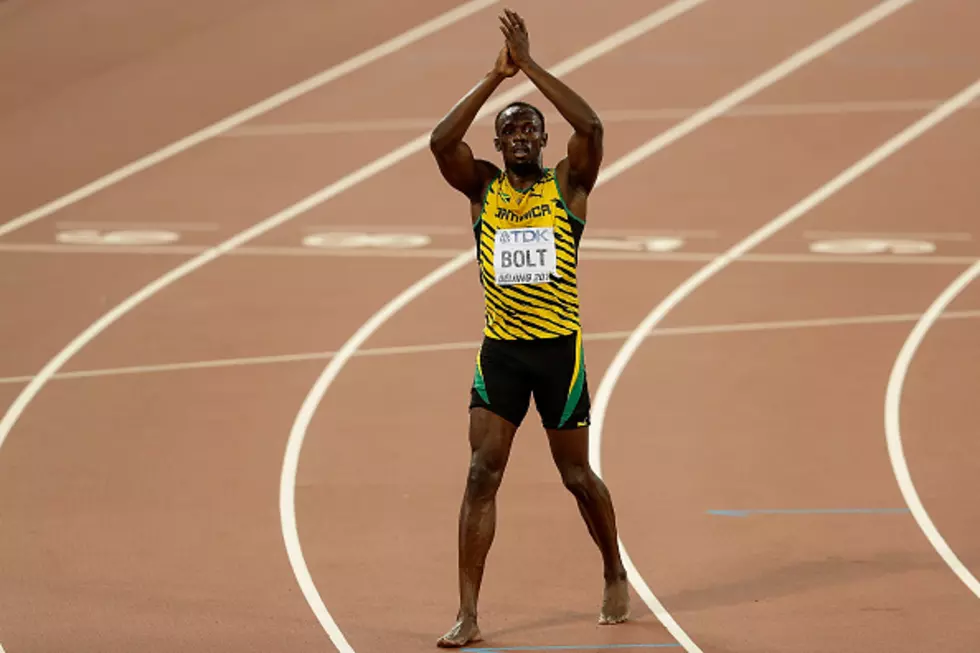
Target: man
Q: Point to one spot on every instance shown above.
(527, 221)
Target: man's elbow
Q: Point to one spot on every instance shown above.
(437, 142)
(593, 128)
(442, 139)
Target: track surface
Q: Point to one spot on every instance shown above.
(140, 493)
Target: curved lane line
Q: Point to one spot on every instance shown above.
(626, 352)
(337, 71)
(893, 433)
(294, 446)
(319, 389)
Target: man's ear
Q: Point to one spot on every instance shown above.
(544, 140)
(496, 144)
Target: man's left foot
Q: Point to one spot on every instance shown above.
(464, 632)
(615, 602)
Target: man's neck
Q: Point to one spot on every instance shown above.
(524, 175)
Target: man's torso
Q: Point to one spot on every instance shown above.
(527, 250)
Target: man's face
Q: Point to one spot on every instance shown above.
(520, 136)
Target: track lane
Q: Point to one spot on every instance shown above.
(217, 189)
(115, 116)
(914, 56)
(75, 289)
(787, 421)
(746, 292)
(946, 205)
(140, 513)
(244, 306)
(775, 416)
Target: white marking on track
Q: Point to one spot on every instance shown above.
(629, 348)
(290, 535)
(609, 116)
(358, 240)
(889, 235)
(137, 226)
(796, 61)
(893, 432)
(119, 237)
(449, 230)
(694, 330)
(597, 249)
(872, 246)
(432, 230)
(351, 65)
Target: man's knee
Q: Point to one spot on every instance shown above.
(490, 440)
(577, 479)
(485, 474)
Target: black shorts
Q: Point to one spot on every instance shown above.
(509, 372)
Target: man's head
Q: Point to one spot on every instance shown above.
(520, 134)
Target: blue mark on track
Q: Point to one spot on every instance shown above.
(809, 511)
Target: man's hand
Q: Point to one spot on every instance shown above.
(505, 66)
(515, 32)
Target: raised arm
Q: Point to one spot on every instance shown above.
(585, 145)
(455, 158)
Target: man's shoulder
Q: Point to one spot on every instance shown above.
(489, 174)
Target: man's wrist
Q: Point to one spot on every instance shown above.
(530, 66)
(495, 77)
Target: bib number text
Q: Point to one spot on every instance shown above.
(524, 255)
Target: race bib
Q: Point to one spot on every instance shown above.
(524, 255)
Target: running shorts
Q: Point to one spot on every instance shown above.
(552, 370)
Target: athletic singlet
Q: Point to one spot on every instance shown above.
(527, 250)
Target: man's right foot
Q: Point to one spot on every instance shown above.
(464, 632)
(615, 602)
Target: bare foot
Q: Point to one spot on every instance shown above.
(615, 602)
(464, 632)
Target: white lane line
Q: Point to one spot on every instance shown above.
(444, 230)
(629, 348)
(139, 226)
(893, 433)
(351, 65)
(609, 116)
(298, 433)
(587, 254)
(957, 236)
(279, 359)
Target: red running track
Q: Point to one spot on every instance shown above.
(140, 488)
